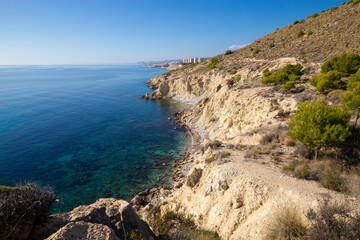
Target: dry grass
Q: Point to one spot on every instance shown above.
(173, 226)
(334, 221)
(287, 224)
(21, 206)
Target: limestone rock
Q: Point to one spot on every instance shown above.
(84, 230)
(194, 177)
(107, 218)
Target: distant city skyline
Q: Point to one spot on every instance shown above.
(59, 32)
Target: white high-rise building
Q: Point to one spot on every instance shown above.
(193, 60)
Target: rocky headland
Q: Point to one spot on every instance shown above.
(232, 181)
(236, 181)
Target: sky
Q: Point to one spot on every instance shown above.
(47, 32)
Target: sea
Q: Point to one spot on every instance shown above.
(84, 132)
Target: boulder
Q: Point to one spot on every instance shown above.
(84, 230)
(107, 218)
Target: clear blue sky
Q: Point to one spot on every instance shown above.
(128, 31)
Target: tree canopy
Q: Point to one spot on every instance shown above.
(318, 125)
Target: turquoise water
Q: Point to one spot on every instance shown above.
(83, 131)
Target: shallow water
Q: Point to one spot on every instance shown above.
(83, 131)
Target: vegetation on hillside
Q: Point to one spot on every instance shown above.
(317, 125)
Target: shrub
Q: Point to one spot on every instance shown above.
(233, 71)
(266, 72)
(193, 65)
(176, 226)
(314, 15)
(303, 172)
(256, 51)
(134, 236)
(333, 9)
(288, 73)
(228, 52)
(213, 63)
(332, 180)
(354, 81)
(333, 221)
(300, 34)
(238, 78)
(346, 64)
(287, 224)
(291, 166)
(351, 102)
(289, 85)
(256, 76)
(323, 82)
(221, 68)
(295, 22)
(310, 32)
(317, 125)
(21, 206)
(271, 45)
(218, 88)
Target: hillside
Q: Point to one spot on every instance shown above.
(237, 180)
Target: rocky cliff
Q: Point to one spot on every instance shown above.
(235, 187)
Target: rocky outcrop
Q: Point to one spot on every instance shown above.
(107, 218)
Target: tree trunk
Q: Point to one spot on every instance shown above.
(317, 150)
(356, 119)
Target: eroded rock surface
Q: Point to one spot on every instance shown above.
(107, 218)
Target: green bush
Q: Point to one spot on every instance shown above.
(291, 166)
(303, 172)
(256, 51)
(323, 82)
(289, 85)
(333, 181)
(213, 63)
(310, 32)
(351, 102)
(238, 78)
(300, 34)
(346, 64)
(228, 52)
(314, 15)
(354, 81)
(295, 22)
(317, 125)
(193, 65)
(271, 45)
(233, 71)
(221, 68)
(333, 9)
(288, 73)
(266, 72)
(176, 226)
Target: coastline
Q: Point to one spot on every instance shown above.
(151, 197)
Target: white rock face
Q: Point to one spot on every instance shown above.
(237, 195)
(237, 199)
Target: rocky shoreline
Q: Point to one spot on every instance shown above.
(149, 198)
